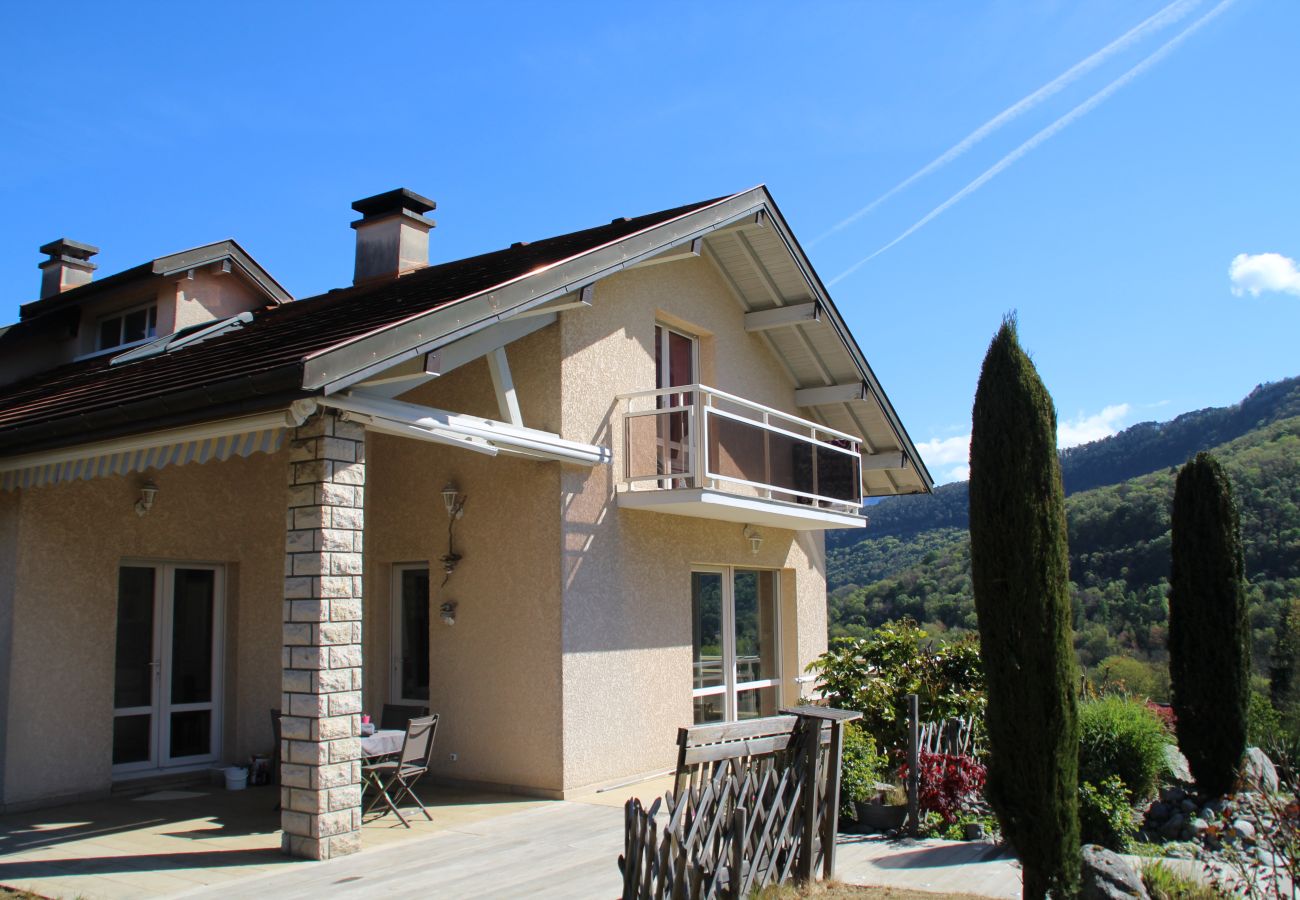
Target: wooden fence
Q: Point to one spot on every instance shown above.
(754, 803)
(955, 737)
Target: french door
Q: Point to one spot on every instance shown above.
(676, 356)
(167, 686)
(409, 679)
(735, 639)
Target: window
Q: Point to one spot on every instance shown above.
(129, 327)
(735, 632)
(410, 635)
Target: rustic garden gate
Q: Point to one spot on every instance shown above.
(754, 803)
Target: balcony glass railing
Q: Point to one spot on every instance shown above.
(697, 436)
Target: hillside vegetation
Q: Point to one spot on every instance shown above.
(1118, 532)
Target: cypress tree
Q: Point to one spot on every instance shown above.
(1020, 574)
(1209, 637)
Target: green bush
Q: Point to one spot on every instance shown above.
(1106, 815)
(862, 766)
(1123, 738)
(875, 674)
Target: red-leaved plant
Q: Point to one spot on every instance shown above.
(949, 784)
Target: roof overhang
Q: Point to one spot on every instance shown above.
(747, 239)
(706, 503)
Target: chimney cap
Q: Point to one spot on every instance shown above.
(401, 200)
(69, 250)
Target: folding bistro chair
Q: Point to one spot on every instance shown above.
(394, 779)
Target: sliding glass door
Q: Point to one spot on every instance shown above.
(735, 631)
(167, 685)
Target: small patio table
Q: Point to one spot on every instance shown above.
(384, 742)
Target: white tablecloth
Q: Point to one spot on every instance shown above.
(383, 742)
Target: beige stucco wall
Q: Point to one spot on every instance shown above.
(70, 541)
(495, 677)
(627, 598)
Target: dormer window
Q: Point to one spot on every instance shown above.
(129, 327)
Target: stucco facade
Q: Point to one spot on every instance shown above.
(564, 600)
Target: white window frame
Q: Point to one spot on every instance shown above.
(160, 709)
(730, 686)
(395, 635)
(121, 315)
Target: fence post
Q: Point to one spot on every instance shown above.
(812, 735)
(831, 818)
(913, 765)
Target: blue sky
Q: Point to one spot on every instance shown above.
(145, 129)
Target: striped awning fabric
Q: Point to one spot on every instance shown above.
(267, 440)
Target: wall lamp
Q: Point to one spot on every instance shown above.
(148, 493)
(755, 538)
(447, 612)
(453, 500)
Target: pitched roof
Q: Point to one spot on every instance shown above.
(260, 365)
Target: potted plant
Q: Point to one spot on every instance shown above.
(863, 799)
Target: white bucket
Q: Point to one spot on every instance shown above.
(236, 778)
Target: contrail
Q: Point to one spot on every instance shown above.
(1069, 118)
(1167, 16)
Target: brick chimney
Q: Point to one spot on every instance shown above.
(392, 234)
(69, 266)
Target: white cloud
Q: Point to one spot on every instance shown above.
(1256, 273)
(949, 458)
(1084, 428)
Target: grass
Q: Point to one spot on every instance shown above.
(1164, 883)
(11, 894)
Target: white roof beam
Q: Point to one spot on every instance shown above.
(456, 354)
(676, 254)
(782, 316)
(830, 394)
(504, 385)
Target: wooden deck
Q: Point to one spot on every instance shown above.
(216, 844)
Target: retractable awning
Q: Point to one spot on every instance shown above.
(487, 436)
(213, 441)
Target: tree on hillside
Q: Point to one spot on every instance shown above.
(1020, 574)
(1209, 632)
(1286, 653)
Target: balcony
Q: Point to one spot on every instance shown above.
(697, 451)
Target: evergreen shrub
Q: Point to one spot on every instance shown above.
(1105, 814)
(1209, 631)
(1122, 738)
(1020, 576)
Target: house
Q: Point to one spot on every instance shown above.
(569, 494)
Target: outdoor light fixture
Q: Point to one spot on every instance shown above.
(447, 612)
(452, 499)
(755, 538)
(148, 491)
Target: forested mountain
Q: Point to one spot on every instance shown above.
(1119, 537)
(1146, 447)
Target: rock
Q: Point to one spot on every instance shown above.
(1173, 828)
(1187, 806)
(1107, 876)
(1258, 771)
(1244, 829)
(1199, 826)
(1177, 764)
(1158, 812)
(1218, 805)
(1172, 794)
(1207, 814)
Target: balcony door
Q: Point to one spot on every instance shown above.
(676, 355)
(167, 679)
(736, 654)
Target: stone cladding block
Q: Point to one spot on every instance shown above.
(321, 680)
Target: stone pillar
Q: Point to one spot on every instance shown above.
(320, 791)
